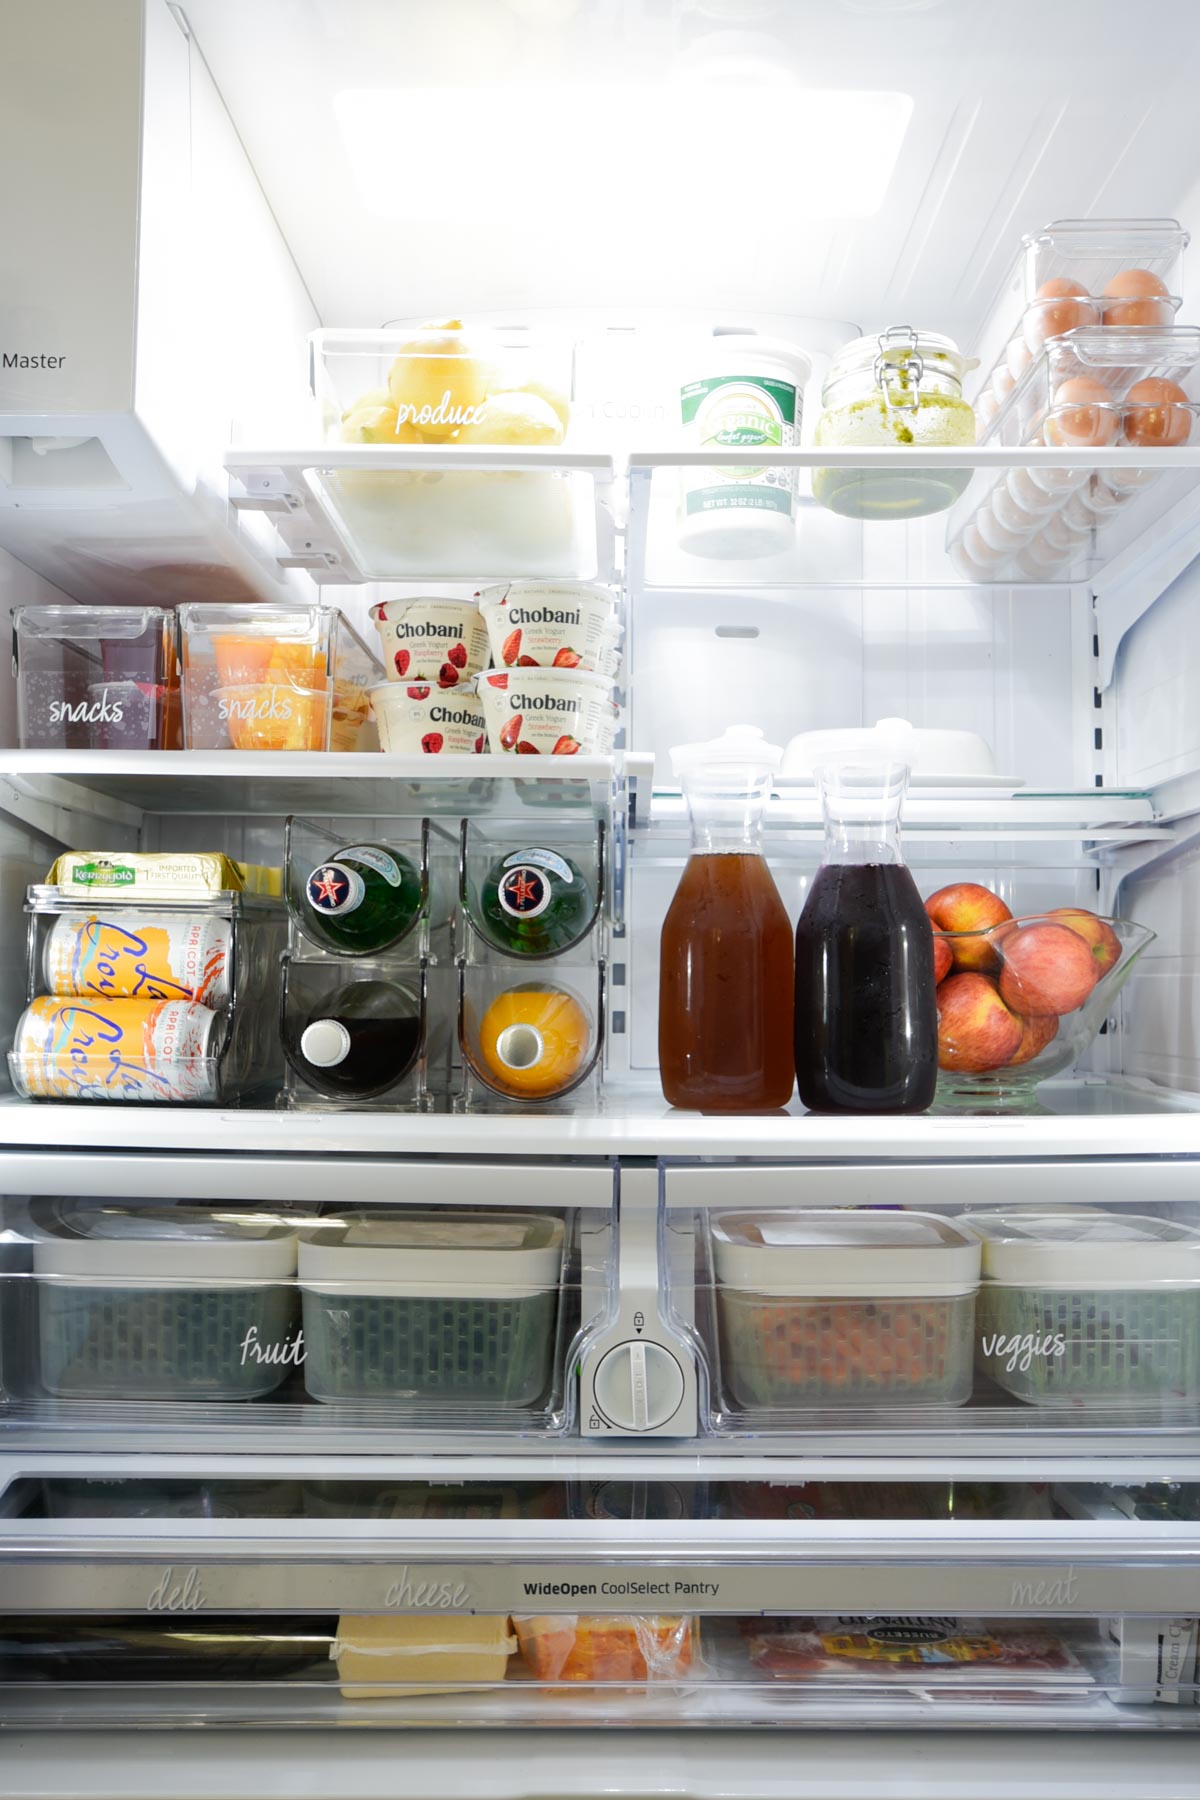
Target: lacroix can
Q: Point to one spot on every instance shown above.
(135, 955)
(83, 1049)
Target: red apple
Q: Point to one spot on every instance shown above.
(976, 1031)
(943, 957)
(1035, 1035)
(1047, 969)
(1097, 933)
(963, 907)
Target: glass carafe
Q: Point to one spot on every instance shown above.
(866, 1005)
(726, 966)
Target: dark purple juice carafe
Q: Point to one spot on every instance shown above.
(866, 999)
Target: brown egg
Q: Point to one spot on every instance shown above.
(1059, 305)
(1134, 284)
(1083, 413)
(1157, 413)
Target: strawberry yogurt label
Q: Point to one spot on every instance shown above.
(545, 626)
(545, 711)
(439, 641)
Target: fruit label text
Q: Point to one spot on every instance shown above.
(1021, 1352)
(291, 1350)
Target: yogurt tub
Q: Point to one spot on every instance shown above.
(431, 639)
(419, 719)
(546, 712)
(749, 392)
(569, 625)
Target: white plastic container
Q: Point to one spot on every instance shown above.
(431, 638)
(952, 756)
(843, 1308)
(741, 391)
(456, 1307)
(1089, 1308)
(570, 624)
(170, 1303)
(419, 719)
(546, 712)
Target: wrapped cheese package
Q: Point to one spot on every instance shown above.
(605, 1646)
(384, 1657)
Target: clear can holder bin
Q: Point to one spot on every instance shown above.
(800, 1312)
(97, 677)
(1089, 1309)
(267, 677)
(419, 387)
(528, 902)
(446, 1311)
(1059, 282)
(529, 1043)
(152, 1302)
(400, 1062)
(426, 846)
(1101, 388)
(115, 1012)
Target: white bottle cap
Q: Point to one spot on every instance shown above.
(325, 1043)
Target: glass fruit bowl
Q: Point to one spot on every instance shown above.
(1022, 1000)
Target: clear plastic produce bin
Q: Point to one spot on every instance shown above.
(840, 1308)
(453, 1307)
(96, 677)
(1082, 1308)
(143, 1303)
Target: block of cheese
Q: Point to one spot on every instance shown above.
(159, 875)
(381, 1657)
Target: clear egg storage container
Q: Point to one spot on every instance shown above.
(1072, 274)
(448, 1308)
(842, 1308)
(1089, 1308)
(162, 1303)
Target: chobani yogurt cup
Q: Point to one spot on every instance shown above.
(421, 719)
(546, 712)
(431, 639)
(548, 625)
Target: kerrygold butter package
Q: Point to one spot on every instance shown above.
(159, 875)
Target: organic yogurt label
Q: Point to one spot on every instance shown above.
(741, 412)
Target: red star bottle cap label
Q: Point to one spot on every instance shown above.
(334, 889)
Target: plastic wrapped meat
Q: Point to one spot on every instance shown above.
(605, 1646)
(896, 1649)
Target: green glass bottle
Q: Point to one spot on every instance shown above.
(535, 902)
(364, 898)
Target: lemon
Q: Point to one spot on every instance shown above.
(520, 418)
(435, 383)
(554, 397)
(376, 424)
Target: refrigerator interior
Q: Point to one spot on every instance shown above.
(238, 178)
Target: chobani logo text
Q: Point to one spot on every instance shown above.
(524, 703)
(404, 630)
(446, 715)
(541, 615)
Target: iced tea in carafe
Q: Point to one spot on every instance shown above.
(866, 1000)
(726, 961)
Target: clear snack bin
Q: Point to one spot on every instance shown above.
(161, 1303)
(1089, 1308)
(258, 677)
(96, 677)
(457, 1306)
(1072, 274)
(1095, 388)
(356, 670)
(447, 385)
(842, 1308)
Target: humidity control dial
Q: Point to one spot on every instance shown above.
(638, 1386)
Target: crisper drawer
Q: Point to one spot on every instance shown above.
(257, 1302)
(280, 1596)
(1018, 1300)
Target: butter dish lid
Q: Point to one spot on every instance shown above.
(115, 1241)
(844, 1252)
(463, 1254)
(1084, 1247)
